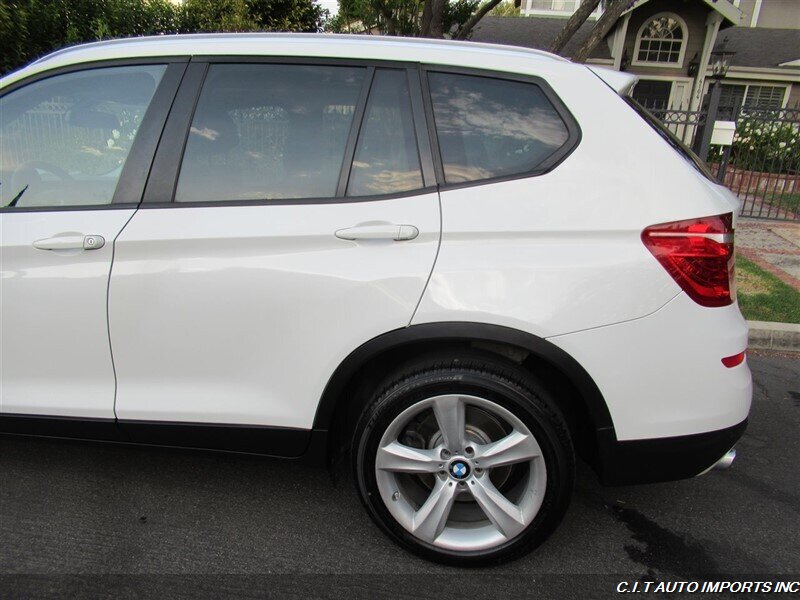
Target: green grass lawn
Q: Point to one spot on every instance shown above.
(764, 297)
(790, 202)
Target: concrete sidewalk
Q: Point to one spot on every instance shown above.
(775, 247)
(772, 245)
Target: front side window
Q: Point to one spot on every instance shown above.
(490, 127)
(661, 41)
(64, 140)
(386, 159)
(269, 131)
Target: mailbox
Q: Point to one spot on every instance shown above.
(723, 133)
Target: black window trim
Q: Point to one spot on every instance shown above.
(551, 162)
(160, 191)
(355, 131)
(169, 130)
(131, 183)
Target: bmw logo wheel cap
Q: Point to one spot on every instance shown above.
(459, 469)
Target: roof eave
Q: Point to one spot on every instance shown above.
(723, 7)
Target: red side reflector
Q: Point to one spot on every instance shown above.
(732, 361)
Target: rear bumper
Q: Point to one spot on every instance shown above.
(662, 459)
(662, 376)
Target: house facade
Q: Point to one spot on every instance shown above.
(668, 43)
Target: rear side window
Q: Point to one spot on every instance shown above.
(490, 127)
(386, 159)
(264, 132)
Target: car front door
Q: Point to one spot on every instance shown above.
(74, 152)
(304, 222)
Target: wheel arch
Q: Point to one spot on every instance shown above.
(427, 335)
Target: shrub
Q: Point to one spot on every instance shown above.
(763, 144)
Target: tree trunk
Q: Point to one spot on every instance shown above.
(466, 28)
(604, 24)
(427, 13)
(433, 19)
(574, 23)
(388, 17)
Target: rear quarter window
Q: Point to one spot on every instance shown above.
(489, 127)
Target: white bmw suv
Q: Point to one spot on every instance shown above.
(463, 264)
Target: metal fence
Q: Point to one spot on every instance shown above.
(762, 167)
(683, 123)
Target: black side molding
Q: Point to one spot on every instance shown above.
(663, 459)
(282, 442)
(80, 428)
(252, 439)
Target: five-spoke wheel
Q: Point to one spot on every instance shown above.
(473, 467)
(467, 463)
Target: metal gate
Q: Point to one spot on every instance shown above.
(762, 167)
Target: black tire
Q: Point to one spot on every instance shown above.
(490, 377)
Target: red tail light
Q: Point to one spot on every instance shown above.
(698, 253)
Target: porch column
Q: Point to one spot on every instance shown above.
(712, 28)
(618, 48)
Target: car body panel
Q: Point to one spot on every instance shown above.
(55, 357)
(240, 314)
(662, 376)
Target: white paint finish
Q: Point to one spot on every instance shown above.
(241, 314)
(621, 82)
(663, 375)
(562, 252)
(54, 352)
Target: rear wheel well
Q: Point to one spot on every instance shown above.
(363, 383)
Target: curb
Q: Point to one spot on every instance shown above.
(774, 336)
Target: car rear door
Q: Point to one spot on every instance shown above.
(299, 220)
(75, 147)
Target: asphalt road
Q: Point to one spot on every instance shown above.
(88, 509)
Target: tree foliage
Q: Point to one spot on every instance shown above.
(423, 18)
(31, 28)
(507, 8)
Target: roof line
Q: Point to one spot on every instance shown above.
(328, 37)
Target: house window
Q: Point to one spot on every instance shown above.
(555, 5)
(661, 41)
(653, 95)
(764, 96)
(555, 8)
(752, 96)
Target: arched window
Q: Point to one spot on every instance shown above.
(661, 41)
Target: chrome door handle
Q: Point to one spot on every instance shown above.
(387, 231)
(71, 242)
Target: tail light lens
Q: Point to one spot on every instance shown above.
(698, 254)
